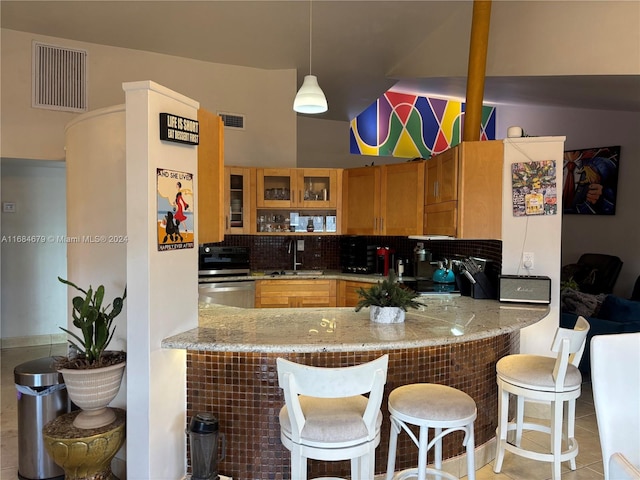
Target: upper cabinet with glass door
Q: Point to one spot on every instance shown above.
(317, 187)
(297, 187)
(237, 196)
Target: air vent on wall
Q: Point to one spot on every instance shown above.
(232, 120)
(59, 78)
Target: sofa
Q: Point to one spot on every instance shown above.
(611, 314)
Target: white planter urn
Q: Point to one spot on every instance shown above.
(92, 390)
(386, 314)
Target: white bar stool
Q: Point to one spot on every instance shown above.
(536, 377)
(428, 405)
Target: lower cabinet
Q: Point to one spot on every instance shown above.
(348, 292)
(295, 293)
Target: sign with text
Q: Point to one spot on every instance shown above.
(179, 129)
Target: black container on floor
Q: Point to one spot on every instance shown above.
(203, 438)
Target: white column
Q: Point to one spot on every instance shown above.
(162, 290)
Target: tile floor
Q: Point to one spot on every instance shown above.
(589, 459)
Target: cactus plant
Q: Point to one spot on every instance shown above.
(95, 321)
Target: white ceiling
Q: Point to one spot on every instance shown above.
(355, 45)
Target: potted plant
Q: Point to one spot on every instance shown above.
(91, 373)
(387, 300)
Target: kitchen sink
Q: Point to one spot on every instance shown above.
(295, 273)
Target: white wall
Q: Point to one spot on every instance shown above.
(618, 234)
(538, 234)
(265, 97)
(34, 302)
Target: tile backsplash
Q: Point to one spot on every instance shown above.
(322, 252)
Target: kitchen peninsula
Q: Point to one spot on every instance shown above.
(231, 369)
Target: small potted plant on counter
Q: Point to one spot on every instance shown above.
(387, 300)
(91, 373)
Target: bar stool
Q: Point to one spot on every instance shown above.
(540, 378)
(427, 405)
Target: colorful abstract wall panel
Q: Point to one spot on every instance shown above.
(409, 126)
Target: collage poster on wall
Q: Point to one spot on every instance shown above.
(175, 222)
(534, 189)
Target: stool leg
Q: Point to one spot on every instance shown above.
(556, 437)
(571, 422)
(298, 464)
(519, 420)
(357, 467)
(422, 452)
(438, 450)
(393, 444)
(501, 431)
(471, 450)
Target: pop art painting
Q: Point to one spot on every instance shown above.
(175, 219)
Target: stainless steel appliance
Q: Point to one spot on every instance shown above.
(223, 276)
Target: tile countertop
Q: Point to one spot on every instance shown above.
(444, 319)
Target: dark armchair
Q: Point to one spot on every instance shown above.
(594, 272)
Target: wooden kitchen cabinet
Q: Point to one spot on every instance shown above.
(463, 191)
(298, 187)
(348, 292)
(295, 293)
(384, 200)
(210, 178)
(239, 183)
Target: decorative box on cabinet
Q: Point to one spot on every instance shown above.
(384, 200)
(463, 188)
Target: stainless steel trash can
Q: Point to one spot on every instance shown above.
(42, 397)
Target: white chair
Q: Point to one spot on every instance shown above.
(430, 406)
(327, 417)
(544, 379)
(615, 379)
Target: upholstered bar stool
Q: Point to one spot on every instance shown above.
(545, 379)
(430, 406)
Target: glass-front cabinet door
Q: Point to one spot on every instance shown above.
(275, 187)
(297, 187)
(237, 198)
(317, 187)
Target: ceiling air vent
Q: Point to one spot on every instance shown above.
(59, 78)
(232, 120)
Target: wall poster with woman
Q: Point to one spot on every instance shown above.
(175, 210)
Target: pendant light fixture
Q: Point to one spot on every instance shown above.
(310, 98)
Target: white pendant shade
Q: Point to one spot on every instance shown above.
(310, 98)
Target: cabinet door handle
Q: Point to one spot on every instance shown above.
(226, 220)
(299, 196)
(375, 224)
(381, 224)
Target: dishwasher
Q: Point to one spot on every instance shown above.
(223, 276)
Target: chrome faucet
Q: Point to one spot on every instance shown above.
(293, 247)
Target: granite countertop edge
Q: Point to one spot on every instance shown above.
(341, 329)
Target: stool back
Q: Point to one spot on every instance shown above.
(569, 345)
(320, 382)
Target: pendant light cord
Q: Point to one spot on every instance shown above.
(310, 32)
